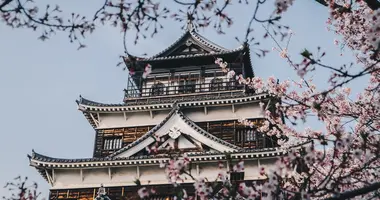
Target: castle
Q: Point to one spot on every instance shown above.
(190, 105)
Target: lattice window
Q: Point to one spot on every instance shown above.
(246, 135)
(231, 84)
(250, 135)
(216, 84)
(111, 143)
(158, 89)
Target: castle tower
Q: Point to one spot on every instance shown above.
(189, 104)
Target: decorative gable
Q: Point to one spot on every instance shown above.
(180, 144)
(191, 43)
(178, 133)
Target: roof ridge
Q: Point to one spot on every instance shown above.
(191, 30)
(43, 158)
(191, 55)
(88, 102)
(206, 41)
(170, 46)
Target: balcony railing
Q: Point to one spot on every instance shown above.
(183, 88)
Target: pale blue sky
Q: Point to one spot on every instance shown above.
(40, 81)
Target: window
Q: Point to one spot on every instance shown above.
(186, 86)
(231, 85)
(158, 89)
(246, 135)
(216, 84)
(250, 136)
(111, 143)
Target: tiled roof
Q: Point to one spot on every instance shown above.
(189, 33)
(38, 160)
(42, 162)
(174, 98)
(43, 158)
(192, 55)
(83, 101)
(190, 98)
(207, 42)
(165, 103)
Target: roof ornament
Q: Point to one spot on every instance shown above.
(174, 132)
(102, 194)
(190, 26)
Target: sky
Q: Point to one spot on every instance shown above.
(40, 81)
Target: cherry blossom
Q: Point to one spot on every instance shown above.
(341, 157)
(282, 5)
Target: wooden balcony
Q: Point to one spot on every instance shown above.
(184, 91)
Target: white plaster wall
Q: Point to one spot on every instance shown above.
(93, 176)
(183, 143)
(214, 113)
(209, 170)
(152, 174)
(251, 110)
(252, 170)
(65, 177)
(268, 164)
(142, 118)
(126, 175)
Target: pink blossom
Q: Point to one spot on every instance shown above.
(147, 71)
(336, 42)
(282, 5)
(143, 193)
(284, 53)
(239, 167)
(230, 74)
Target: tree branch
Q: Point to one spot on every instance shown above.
(373, 4)
(357, 192)
(6, 2)
(323, 2)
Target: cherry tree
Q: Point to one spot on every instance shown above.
(340, 162)
(343, 161)
(21, 189)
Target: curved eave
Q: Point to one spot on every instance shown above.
(88, 109)
(177, 57)
(207, 42)
(202, 41)
(131, 108)
(172, 46)
(247, 59)
(41, 162)
(44, 163)
(84, 101)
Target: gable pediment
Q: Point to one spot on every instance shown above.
(181, 143)
(178, 133)
(190, 43)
